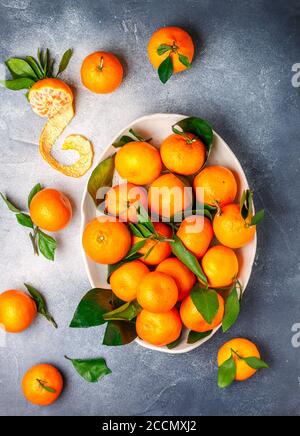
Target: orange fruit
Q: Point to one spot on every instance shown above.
(193, 320)
(215, 185)
(167, 196)
(157, 292)
(183, 277)
(196, 233)
(183, 155)
(101, 72)
(50, 210)
(178, 39)
(159, 328)
(231, 229)
(123, 200)
(220, 265)
(106, 241)
(48, 97)
(126, 280)
(159, 250)
(138, 162)
(243, 348)
(17, 311)
(42, 384)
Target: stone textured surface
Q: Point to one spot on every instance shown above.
(241, 83)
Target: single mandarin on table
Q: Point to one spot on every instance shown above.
(48, 97)
(159, 328)
(180, 42)
(231, 229)
(157, 292)
(243, 348)
(196, 233)
(126, 280)
(17, 311)
(182, 275)
(215, 186)
(42, 385)
(193, 319)
(138, 162)
(183, 154)
(106, 241)
(101, 72)
(50, 210)
(220, 265)
(154, 251)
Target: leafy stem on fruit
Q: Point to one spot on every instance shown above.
(184, 134)
(246, 208)
(41, 242)
(43, 385)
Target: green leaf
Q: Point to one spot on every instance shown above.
(194, 337)
(35, 66)
(127, 312)
(179, 250)
(45, 387)
(135, 231)
(40, 303)
(144, 219)
(175, 343)
(134, 249)
(47, 245)
(20, 68)
(258, 217)
(17, 84)
(184, 60)
(200, 128)
(10, 206)
(163, 48)
(46, 62)
(206, 302)
(40, 57)
(65, 61)
(91, 308)
(37, 188)
(122, 141)
(101, 177)
(256, 363)
(246, 204)
(227, 373)
(24, 220)
(136, 135)
(165, 70)
(144, 230)
(232, 310)
(92, 370)
(119, 333)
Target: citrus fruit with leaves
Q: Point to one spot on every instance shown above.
(17, 311)
(193, 319)
(50, 210)
(50, 96)
(123, 201)
(101, 72)
(183, 153)
(183, 277)
(42, 384)
(220, 265)
(159, 328)
(231, 229)
(215, 186)
(126, 280)
(138, 162)
(154, 250)
(167, 196)
(157, 292)
(170, 50)
(238, 359)
(106, 241)
(196, 233)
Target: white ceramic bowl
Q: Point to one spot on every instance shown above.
(158, 127)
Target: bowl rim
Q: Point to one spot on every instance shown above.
(189, 347)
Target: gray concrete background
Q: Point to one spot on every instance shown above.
(241, 83)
